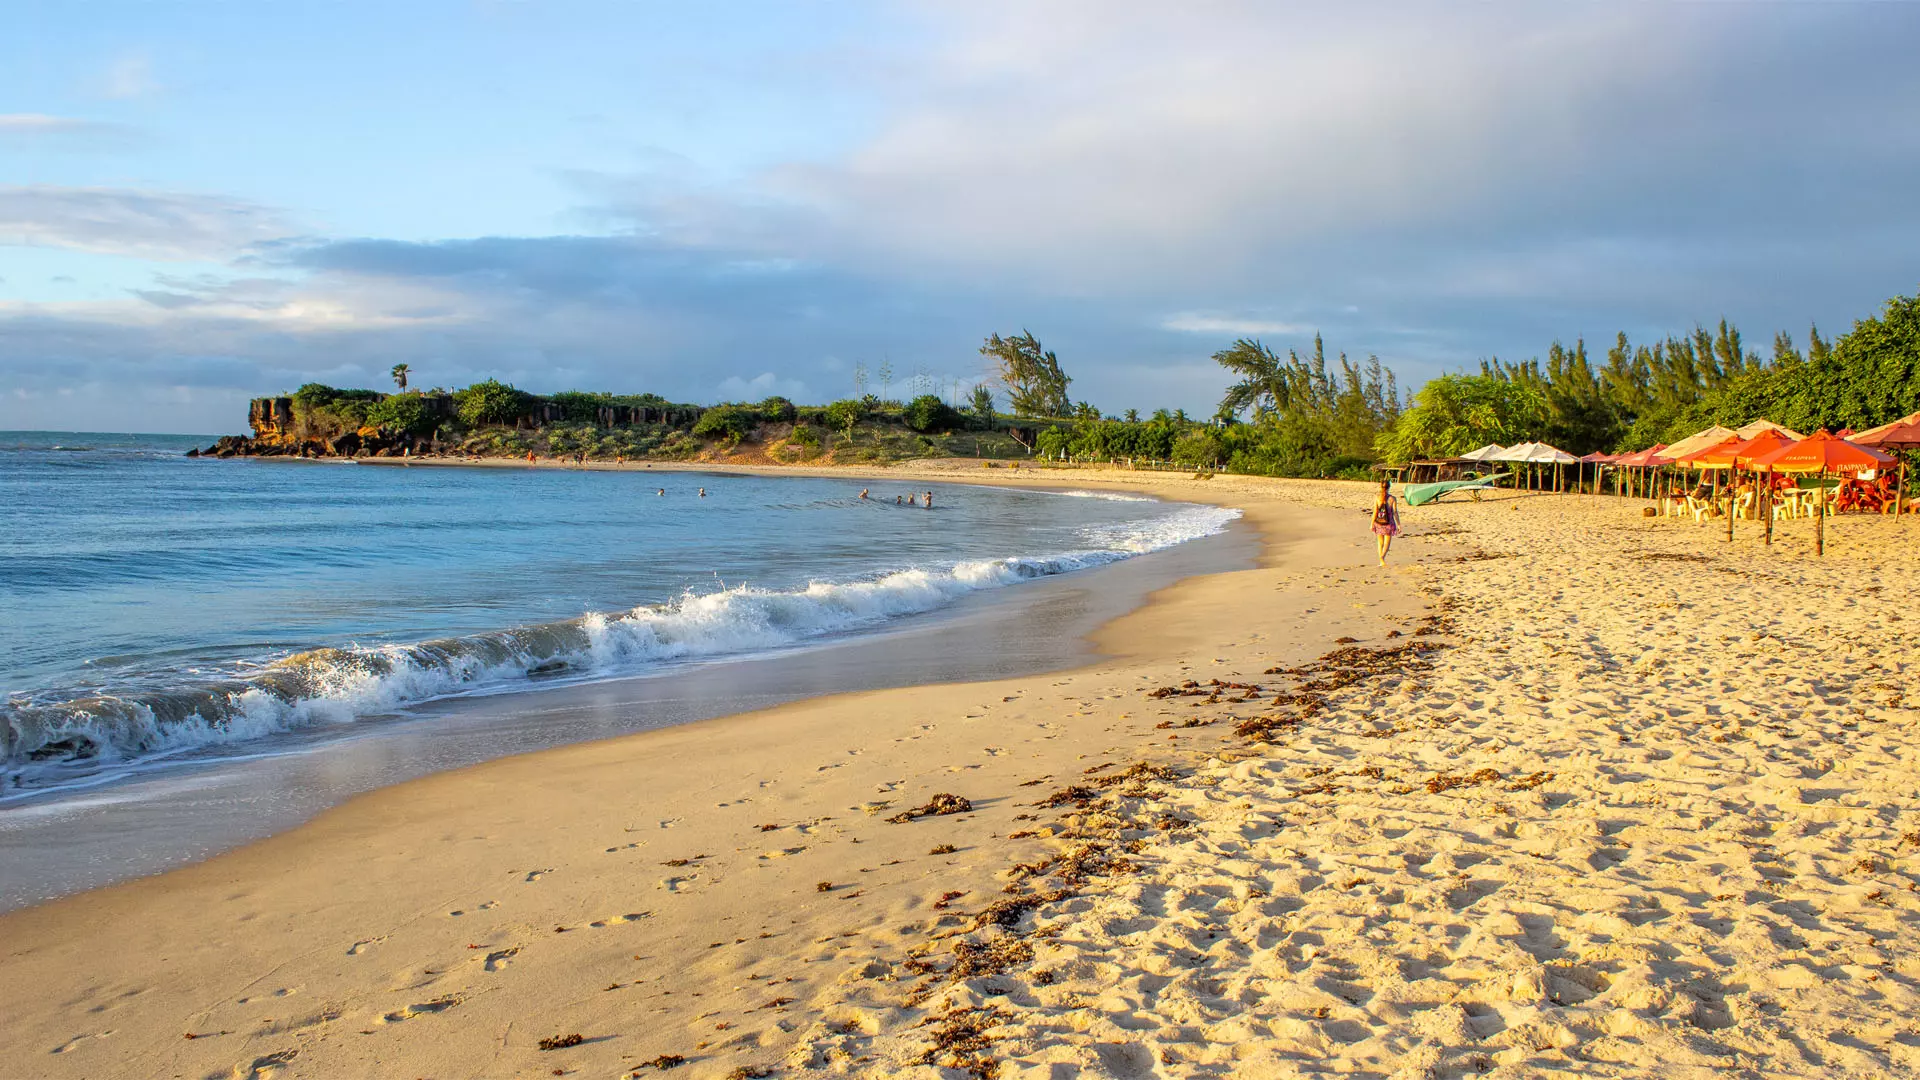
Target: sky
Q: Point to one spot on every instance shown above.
(204, 203)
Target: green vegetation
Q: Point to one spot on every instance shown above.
(403, 413)
(489, 402)
(1282, 414)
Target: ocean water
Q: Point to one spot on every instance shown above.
(161, 610)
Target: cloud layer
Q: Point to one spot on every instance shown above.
(1137, 184)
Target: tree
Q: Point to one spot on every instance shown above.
(1264, 380)
(1035, 384)
(404, 413)
(489, 402)
(981, 401)
(778, 410)
(400, 377)
(1456, 413)
(841, 416)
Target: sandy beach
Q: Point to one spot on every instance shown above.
(1561, 789)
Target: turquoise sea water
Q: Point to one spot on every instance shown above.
(159, 607)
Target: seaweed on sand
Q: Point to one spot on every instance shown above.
(940, 804)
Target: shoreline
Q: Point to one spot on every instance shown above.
(180, 811)
(153, 917)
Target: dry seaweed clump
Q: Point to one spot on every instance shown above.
(940, 804)
(960, 1041)
(561, 1042)
(1346, 666)
(663, 1062)
(1448, 781)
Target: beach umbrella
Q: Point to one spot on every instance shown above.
(1717, 456)
(1700, 440)
(1823, 452)
(1643, 459)
(1759, 427)
(1485, 453)
(1744, 456)
(1902, 434)
(1596, 459)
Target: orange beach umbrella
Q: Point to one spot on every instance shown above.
(1766, 442)
(1824, 452)
(1717, 456)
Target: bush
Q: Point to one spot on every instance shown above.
(406, 414)
(842, 415)
(489, 402)
(1198, 447)
(778, 410)
(728, 422)
(581, 406)
(804, 435)
(928, 413)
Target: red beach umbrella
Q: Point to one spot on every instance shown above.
(1902, 434)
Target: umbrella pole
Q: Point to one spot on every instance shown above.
(1733, 503)
(1768, 507)
(1899, 490)
(1820, 521)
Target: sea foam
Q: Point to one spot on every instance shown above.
(45, 742)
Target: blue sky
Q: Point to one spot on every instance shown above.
(204, 203)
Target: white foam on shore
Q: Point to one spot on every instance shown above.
(50, 743)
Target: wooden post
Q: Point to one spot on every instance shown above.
(1820, 520)
(1733, 502)
(1899, 489)
(1768, 510)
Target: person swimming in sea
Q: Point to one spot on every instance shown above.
(863, 493)
(662, 491)
(703, 493)
(910, 500)
(929, 500)
(896, 500)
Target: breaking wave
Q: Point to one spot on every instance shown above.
(47, 737)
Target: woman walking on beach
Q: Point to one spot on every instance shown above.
(1386, 519)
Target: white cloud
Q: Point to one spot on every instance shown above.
(144, 224)
(763, 386)
(1193, 323)
(27, 124)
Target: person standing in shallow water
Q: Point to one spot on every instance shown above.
(1386, 519)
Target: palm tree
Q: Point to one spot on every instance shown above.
(400, 376)
(1133, 416)
(1264, 382)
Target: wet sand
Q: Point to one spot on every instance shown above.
(1585, 792)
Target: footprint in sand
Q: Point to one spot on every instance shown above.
(71, 1044)
(625, 847)
(499, 958)
(536, 875)
(676, 884)
(362, 946)
(995, 751)
(668, 823)
(783, 852)
(618, 920)
(437, 1005)
(262, 1067)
